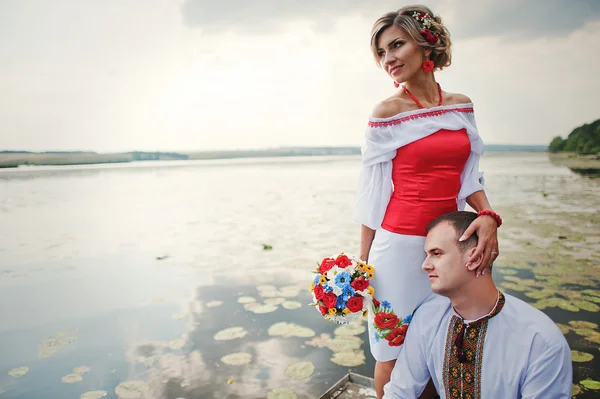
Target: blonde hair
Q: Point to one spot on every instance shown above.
(403, 18)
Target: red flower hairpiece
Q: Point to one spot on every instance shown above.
(430, 36)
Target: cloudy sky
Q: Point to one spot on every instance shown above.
(186, 75)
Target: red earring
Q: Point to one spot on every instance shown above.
(427, 66)
(396, 85)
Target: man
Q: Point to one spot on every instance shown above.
(472, 340)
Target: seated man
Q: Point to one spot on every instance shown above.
(472, 340)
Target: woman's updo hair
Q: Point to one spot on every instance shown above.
(403, 18)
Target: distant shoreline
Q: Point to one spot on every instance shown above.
(14, 159)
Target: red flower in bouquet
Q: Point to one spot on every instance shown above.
(318, 291)
(323, 310)
(326, 265)
(396, 337)
(343, 261)
(329, 300)
(359, 284)
(386, 320)
(354, 304)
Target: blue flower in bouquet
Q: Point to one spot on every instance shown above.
(408, 319)
(343, 279)
(348, 291)
(341, 302)
(386, 304)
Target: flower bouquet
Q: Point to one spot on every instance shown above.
(341, 288)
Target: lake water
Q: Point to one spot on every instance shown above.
(130, 271)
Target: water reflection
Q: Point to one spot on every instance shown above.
(81, 264)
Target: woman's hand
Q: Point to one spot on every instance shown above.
(487, 246)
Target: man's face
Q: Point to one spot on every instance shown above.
(445, 262)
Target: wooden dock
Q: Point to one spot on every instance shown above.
(352, 386)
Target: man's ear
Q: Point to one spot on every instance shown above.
(477, 262)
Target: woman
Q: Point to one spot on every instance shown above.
(420, 160)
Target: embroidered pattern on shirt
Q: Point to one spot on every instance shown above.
(462, 380)
(418, 116)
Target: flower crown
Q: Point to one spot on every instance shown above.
(425, 19)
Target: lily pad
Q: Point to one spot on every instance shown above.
(520, 281)
(260, 308)
(289, 291)
(237, 359)
(321, 341)
(300, 371)
(585, 305)
(131, 389)
(285, 329)
(269, 294)
(246, 299)
(291, 305)
(93, 395)
(214, 304)
(565, 305)
(590, 298)
(71, 378)
(592, 336)
(591, 292)
(350, 329)
(52, 345)
(345, 343)
(230, 333)
(581, 357)
(514, 287)
(563, 328)
(591, 384)
(266, 287)
(541, 294)
(81, 370)
(18, 372)
(576, 390)
(281, 393)
(583, 324)
(506, 271)
(274, 301)
(349, 359)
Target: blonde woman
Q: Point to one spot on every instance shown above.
(420, 159)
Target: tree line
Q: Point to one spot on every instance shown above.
(583, 140)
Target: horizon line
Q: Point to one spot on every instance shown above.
(227, 150)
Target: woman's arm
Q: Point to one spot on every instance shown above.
(487, 231)
(366, 239)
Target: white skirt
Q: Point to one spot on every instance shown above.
(399, 280)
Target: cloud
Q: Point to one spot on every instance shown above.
(467, 18)
(513, 18)
(261, 16)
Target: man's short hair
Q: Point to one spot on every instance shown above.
(460, 221)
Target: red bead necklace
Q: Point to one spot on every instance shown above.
(417, 101)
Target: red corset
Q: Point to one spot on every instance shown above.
(426, 176)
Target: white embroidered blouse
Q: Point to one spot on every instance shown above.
(384, 136)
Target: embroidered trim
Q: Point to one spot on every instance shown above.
(463, 379)
(418, 116)
(388, 325)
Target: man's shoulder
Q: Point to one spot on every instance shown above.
(432, 309)
(537, 323)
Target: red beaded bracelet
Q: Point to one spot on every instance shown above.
(492, 214)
